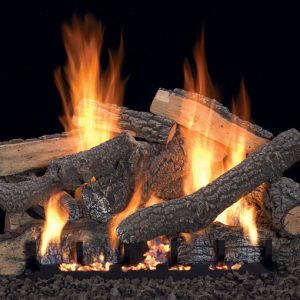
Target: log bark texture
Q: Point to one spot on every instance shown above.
(198, 210)
(145, 125)
(72, 171)
(211, 118)
(283, 202)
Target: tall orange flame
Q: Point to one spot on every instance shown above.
(200, 151)
(83, 40)
(56, 219)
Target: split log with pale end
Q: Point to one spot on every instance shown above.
(209, 118)
(198, 210)
(283, 202)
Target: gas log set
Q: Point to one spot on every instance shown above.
(129, 189)
(186, 189)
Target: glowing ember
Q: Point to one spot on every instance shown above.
(101, 265)
(56, 218)
(88, 83)
(180, 268)
(223, 266)
(201, 151)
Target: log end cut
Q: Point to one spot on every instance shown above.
(291, 221)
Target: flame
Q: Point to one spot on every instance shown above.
(132, 206)
(99, 265)
(89, 86)
(201, 151)
(56, 219)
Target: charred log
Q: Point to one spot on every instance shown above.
(198, 210)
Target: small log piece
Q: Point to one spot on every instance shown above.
(211, 118)
(283, 202)
(198, 210)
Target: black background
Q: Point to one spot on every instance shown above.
(256, 41)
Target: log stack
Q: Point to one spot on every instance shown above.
(149, 148)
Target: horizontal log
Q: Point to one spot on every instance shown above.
(211, 119)
(198, 210)
(32, 154)
(283, 203)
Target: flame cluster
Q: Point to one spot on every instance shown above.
(201, 152)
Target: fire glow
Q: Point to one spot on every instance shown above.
(89, 84)
(201, 152)
(99, 265)
(56, 219)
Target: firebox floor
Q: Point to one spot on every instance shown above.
(232, 285)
